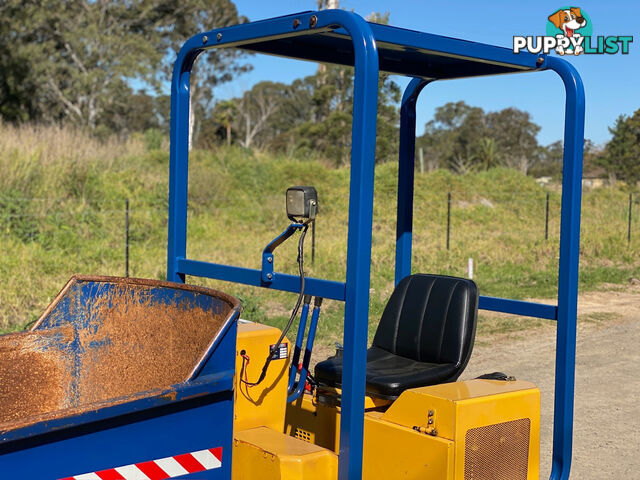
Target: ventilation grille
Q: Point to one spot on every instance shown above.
(303, 435)
(497, 452)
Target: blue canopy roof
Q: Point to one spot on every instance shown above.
(401, 51)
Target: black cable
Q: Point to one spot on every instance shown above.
(294, 312)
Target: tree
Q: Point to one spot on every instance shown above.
(327, 138)
(454, 136)
(462, 162)
(550, 161)
(142, 112)
(255, 109)
(331, 102)
(324, 129)
(465, 138)
(79, 58)
(178, 21)
(18, 92)
(326, 4)
(515, 135)
(224, 114)
(621, 156)
(487, 152)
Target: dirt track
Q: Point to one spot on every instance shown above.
(607, 401)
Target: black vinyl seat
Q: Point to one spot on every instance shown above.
(425, 337)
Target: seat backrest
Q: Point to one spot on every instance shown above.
(430, 318)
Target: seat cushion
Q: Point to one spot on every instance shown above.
(431, 319)
(388, 375)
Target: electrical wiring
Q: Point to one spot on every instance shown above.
(294, 313)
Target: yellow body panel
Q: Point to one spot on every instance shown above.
(395, 452)
(262, 453)
(314, 422)
(500, 408)
(412, 407)
(394, 449)
(264, 404)
(317, 419)
(390, 450)
(460, 407)
(477, 429)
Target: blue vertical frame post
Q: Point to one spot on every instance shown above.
(356, 314)
(568, 276)
(356, 290)
(406, 173)
(179, 160)
(568, 266)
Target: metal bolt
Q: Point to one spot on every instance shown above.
(270, 259)
(269, 276)
(219, 37)
(205, 39)
(296, 23)
(430, 421)
(431, 413)
(313, 21)
(540, 61)
(434, 432)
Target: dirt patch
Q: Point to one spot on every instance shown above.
(31, 379)
(124, 339)
(143, 345)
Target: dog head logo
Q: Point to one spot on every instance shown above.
(567, 21)
(569, 31)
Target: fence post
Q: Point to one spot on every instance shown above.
(629, 222)
(448, 217)
(313, 242)
(421, 152)
(126, 238)
(546, 219)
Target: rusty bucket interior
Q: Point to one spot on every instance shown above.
(104, 340)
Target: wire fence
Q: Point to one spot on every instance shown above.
(628, 211)
(452, 219)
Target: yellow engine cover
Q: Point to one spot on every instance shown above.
(495, 425)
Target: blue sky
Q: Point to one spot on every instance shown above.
(611, 81)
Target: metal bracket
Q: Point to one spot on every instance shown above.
(267, 253)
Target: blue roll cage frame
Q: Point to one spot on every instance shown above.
(345, 38)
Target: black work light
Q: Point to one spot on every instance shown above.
(302, 202)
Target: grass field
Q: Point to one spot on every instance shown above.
(62, 212)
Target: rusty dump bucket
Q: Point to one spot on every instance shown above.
(105, 341)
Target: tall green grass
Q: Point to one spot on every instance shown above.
(62, 212)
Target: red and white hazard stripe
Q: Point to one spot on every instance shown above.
(160, 469)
